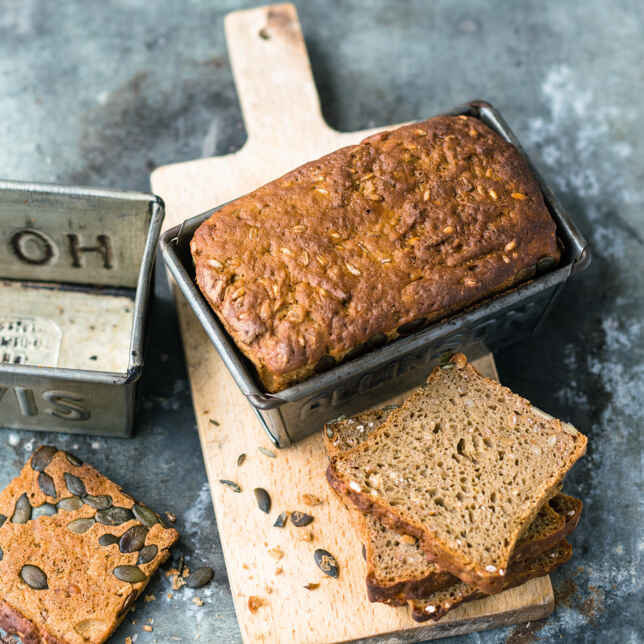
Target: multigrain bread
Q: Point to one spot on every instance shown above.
(371, 242)
(397, 568)
(75, 551)
(439, 603)
(464, 465)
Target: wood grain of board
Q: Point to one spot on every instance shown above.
(285, 128)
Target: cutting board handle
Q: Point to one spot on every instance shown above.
(273, 74)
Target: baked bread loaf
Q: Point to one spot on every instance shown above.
(75, 551)
(442, 601)
(370, 243)
(464, 465)
(397, 568)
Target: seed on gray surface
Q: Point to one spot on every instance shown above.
(281, 520)
(70, 504)
(231, 484)
(101, 502)
(127, 604)
(145, 515)
(3, 518)
(114, 515)
(34, 577)
(42, 457)
(133, 539)
(147, 554)
(131, 574)
(200, 577)
(75, 485)
(263, 499)
(107, 539)
(22, 510)
(73, 460)
(79, 526)
(44, 510)
(300, 519)
(240, 459)
(326, 563)
(46, 484)
(266, 452)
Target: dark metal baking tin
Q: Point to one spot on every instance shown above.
(77, 400)
(375, 377)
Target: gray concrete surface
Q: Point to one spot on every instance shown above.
(101, 93)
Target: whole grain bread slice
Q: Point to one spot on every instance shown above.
(464, 465)
(439, 603)
(397, 568)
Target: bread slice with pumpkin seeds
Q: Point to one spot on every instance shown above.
(464, 466)
(397, 568)
(75, 551)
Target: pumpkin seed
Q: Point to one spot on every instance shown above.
(107, 539)
(231, 484)
(127, 604)
(266, 452)
(281, 520)
(114, 515)
(133, 539)
(22, 510)
(300, 519)
(101, 502)
(200, 577)
(1, 554)
(326, 563)
(212, 421)
(73, 460)
(3, 518)
(263, 499)
(364, 552)
(70, 503)
(311, 499)
(44, 510)
(34, 577)
(240, 459)
(145, 515)
(131, 574)
(79, 526)
(312, 586)
(46, 484)
(147, 554)
(42, 457)
(75, 485)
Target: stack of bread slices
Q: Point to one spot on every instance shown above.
(456, 494)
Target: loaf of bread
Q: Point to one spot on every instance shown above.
(75, 551)
(370, 243)
(397, 567)
(464, 466)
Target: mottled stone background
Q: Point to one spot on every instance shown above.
(100, 93)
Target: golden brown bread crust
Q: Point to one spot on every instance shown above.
(83, 601)
(404, 228)
(521, 572)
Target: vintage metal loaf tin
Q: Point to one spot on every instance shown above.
(75, 271)
(378, 375)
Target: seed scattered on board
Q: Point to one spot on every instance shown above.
(281, 520)
(266, 452)
(300, 519)
(326, 563)
(311, 499)
(200, 577)
(263, 499)
(231, 484)
(312, 586)
(212, 421)
(240, 459)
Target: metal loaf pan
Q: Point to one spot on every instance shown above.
(75, 272)
(382, 373)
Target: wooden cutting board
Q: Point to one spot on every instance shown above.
(285, 128)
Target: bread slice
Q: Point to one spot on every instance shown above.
(439, 603)
(464, 465)
(397, 568)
